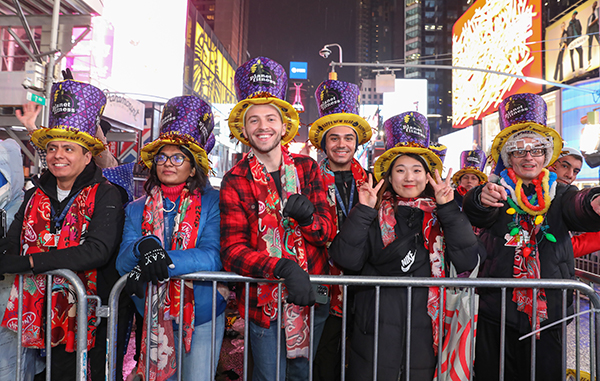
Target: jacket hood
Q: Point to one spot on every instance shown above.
(11, 167)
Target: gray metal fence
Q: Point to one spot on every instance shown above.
(82, 323)
(377, 282)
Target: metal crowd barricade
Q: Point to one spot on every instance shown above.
(82, 323)
(378, 282)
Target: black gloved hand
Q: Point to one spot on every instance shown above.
(13, 264)
(136, 284)
(297, 282)
(300, 208)
(67, 74)
(154, 260)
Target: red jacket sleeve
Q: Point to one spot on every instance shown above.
(585, 243)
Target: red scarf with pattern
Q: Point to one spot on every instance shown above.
(433, 238)
(281, 238)
(36, 238)
(360, 176)
(166, 297)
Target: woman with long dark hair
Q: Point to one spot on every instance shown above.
(175, 230)
(407, 225)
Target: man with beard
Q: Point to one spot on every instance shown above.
(338, 132)
(275, 223)
(525, 216)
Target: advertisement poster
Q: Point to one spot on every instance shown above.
(572, 47)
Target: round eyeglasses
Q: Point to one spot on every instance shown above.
(177, 160)
(535, 152)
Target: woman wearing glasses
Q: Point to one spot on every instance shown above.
(172, 231)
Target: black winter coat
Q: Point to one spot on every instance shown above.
(101, 246)
(358, 246)
(570, 210)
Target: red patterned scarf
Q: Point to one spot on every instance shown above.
(166, 299)
(433, 241)
(36, 237)
(360, 176)
(281, 238)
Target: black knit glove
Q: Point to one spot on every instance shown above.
(300, 208)
(297, 282)
(13, 264)
(135, 283)
(154, 261)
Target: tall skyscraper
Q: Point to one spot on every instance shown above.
(412, 31)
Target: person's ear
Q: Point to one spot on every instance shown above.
(88, 157)
(193, 172)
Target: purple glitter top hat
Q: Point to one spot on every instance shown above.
(522, 108)
(76, 105)
(210, 143)
(408, 129)
(121, 176)
(260, 77)
(440, 150)
(334, 97)
(473, 159)
(189, 117)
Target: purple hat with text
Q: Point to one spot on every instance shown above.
(406, 133)
(337, 102)
(471, 162)
(75, 111)
(186, 121)
(524, 113)
(257, 82)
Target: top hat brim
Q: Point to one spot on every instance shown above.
(502, 137)
(42, 136)
(456, 177)
(327, 122)
(382, 165)
(289, 117)
(151, 149)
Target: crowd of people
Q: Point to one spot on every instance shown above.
(281, 215)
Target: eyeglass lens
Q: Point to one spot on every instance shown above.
(176, 160)
(536, 152)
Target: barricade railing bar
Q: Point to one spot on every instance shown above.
(379, 282)
(82, 323)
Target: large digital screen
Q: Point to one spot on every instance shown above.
(575, 105)
(498, 35)
(572, 47)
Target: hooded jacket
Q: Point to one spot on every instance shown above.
(100, 248)
(11, 193)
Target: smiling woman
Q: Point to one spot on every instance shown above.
(396, 231)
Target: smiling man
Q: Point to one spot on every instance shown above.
(525, 215)
(275, 223)
(338, 132)
(72, 219)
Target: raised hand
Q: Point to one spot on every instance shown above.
(492, 195)
(367, 195)
(444, 192)
(30, 113)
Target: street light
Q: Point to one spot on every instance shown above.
(325, 52)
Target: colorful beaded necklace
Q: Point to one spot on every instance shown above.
(526, 210)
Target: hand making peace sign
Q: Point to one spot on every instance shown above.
(443, 190)
(367, 195)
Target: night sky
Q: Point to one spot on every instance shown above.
(287, 31)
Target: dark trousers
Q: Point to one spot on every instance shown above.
(580, 52)
(558, 71)
(517, 360)
(593, 31)
(327, 363)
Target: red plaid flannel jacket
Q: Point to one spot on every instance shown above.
(239, 229)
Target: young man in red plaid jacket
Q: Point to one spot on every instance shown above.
(275, 223)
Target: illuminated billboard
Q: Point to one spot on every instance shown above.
(497, 35)
(298, 70)
(572, 47)
(213, 69)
